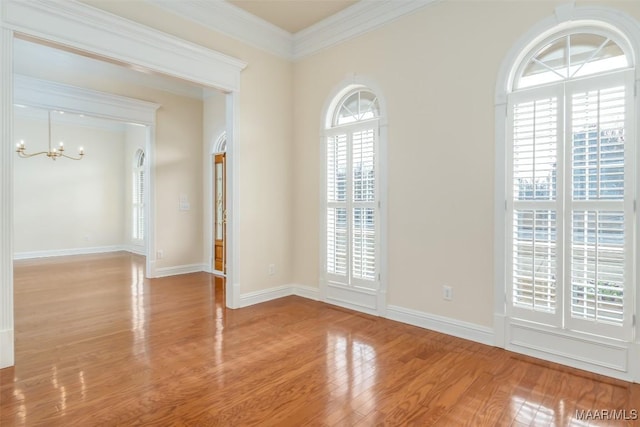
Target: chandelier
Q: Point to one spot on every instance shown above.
(53, 153)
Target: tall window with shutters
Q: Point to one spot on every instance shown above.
(352, 235)
(138, 197)
(571, 194)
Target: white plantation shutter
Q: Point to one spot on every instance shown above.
(571, 207)
(601, 208)
(337, 231)
(364, 208)
(351, 221)
(535, 203)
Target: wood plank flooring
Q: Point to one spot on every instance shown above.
(99, 345)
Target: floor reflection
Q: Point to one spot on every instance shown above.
(138, 313)
(351, 367)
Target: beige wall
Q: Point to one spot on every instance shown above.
(64, 204)
(437, 71)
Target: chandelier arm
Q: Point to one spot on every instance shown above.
(25, 155)
(70, 157)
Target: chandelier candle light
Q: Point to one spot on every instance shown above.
(53, 153)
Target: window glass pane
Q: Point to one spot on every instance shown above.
(571, 56)
(535, 140)
(361, 105)
(534, 259)
(219, 196)
(598, 129)
(364, 185)
(337, 241)
(337, 168)
(550, 63)
(364, 243)
(597, 265)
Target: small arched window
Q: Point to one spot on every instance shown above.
(138, 197)
(570, 55)
(356, 106)
(352, 218)
(220, 146)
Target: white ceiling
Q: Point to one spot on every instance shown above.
(293, 15)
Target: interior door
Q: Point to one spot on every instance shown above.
(220, 213)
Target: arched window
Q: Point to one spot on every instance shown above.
(352, 229)
(570, 188)
(138, 197)
(220, 146)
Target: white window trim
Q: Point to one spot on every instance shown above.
(138, 204)
(595, 354)
(335, 97)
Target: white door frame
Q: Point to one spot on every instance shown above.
(88, 29)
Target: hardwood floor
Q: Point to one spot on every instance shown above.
(97, 344)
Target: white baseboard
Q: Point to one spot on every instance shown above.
(134, 249)
(179, 269)
(265, 295)
(445, 325)
(6, 348)
(67, 252)
(257, 297)
(306, 292)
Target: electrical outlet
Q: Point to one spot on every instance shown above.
(272, 269)
(160, 254)
(447, 293)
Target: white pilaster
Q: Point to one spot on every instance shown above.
(6, 197)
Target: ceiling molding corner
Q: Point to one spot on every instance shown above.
(234, 22)
(353, 21)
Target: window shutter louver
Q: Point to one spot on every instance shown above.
(534, 233)
(598, 231)
(364, 197)
(337, 230)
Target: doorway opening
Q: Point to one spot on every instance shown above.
(219, 237)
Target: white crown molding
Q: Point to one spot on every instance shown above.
(351, 22)
(234, 22)
(80, 26)
(57, 96)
